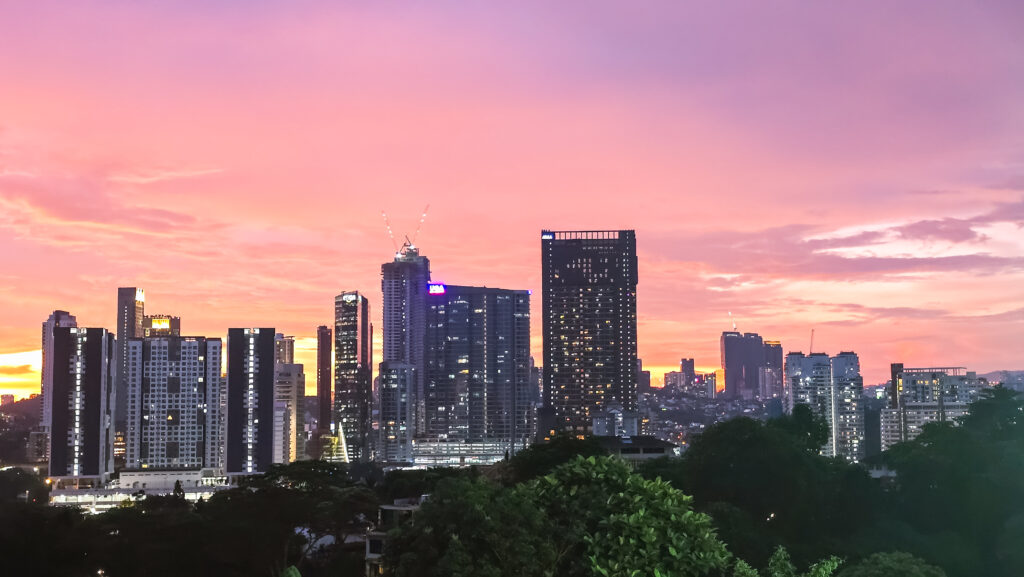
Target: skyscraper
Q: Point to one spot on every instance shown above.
(174, 400)
(57, 319)
(743, 358)
(250, 406)
(324, 380)
(284, 349)
(81, 435)
(772, 383)
(131, 303)
(353, 374)
(589, 309)
(832, 388)
(404, 285)
(847, 422)
(477, 369)
(289, 389)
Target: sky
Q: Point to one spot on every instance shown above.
(852, 168)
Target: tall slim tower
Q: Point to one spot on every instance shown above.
(250, 406)
(324, 380)
(353, 378)
(131, 304)
(81, 436)
(404, 285)
(589, 308)
(57, 319)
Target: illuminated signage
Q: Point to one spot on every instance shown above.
(435, 289)
(547, 236)
(161, 324)
(349, 297)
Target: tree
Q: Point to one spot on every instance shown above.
(895, 564)
(542, 458)
(471, 527)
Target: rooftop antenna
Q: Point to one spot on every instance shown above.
(811, 348)
(733, 321)
(419, 226)
(387, 223)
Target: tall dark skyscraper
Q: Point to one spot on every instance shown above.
(478, 366)
(250, 406)
(353, 374)
(81, 436)
(743, 358)
(404, 284)
(589, 309)
(131, 303)
(324, 377)
(772, 380)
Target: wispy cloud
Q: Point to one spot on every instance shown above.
(153, 176)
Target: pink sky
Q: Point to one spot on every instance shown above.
(854, 169)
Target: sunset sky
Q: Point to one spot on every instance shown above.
(855, 168)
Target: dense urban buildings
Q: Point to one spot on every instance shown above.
(404, 286)
(919, 396)
(175, 408)
(131, 303)
(250, 406)
(324, 377)
(477, 374)
(353, 375)
(81, 435)
(589, 325)
(833, 388)
(57, 319)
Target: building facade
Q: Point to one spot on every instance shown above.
(250, 406)
(324, 378)
(743, 359)
(477, 367)
(833, 388)
(589, 325)
(404, 286)
(57, 319)
(174, 403)
(161, 326)
(289, 391)
(926, 395)
(353, 375)
(84, 397)
(131, 305)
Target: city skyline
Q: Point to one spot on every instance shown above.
(870, 189)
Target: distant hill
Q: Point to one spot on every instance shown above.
(24, 408)
(1010, 379)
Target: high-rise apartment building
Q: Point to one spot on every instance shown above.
(477, 369)
(175, 418)
(353, 375)
(57, 319)
(743, 359)
(81, 431)
(250, 406)
(404, 286)
(161, 326)
(833, 389)
(131, 304)
(284, 349)
(324, 377)
(687, 375)
(772, 382)
(289, 391)
(396, 390)
(926, 395)
(589, 325)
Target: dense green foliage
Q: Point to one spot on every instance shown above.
(890, 565)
